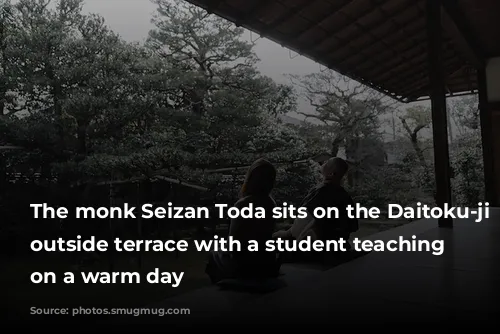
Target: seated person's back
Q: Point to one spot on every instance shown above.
(332, 195)
(257, 229)
(256, 190)
(329, 193)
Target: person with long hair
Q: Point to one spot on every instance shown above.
(255, 191)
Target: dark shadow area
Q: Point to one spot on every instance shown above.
(196, 115)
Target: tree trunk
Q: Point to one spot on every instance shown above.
(418, 150)
(352, 153)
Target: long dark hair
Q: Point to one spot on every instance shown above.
(259, 180)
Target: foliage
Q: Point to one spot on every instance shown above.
(465, 113)
(348, 111)
(92, 107)
(294, 182)
(88, 106)
(467, 163)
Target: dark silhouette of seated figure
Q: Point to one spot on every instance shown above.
(246, 264)
(329, 193)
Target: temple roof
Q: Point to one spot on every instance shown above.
(381, 43)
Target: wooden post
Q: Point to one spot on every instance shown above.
(438, 102)
(490, 180)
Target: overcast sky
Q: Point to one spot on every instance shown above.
(131, 19)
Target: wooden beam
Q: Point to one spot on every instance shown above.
(286, 41)
(139, 179)
(438, 103)
(209, 5)
(333, 34)
(10, 148)
(422, 83)
(494, 106)
(285, 16)
(247, 16)
(326, 15)
(487, 140)
(487, 110)
(259, 5)
(245, 168)
(454, 23)
(179, 182)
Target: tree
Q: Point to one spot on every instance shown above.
(220, 86)
(82, 87)
(465, 113)
(95, 107)
(466, 151)
(348, 109)
(414, 120)
(208, 49)
(350, 113)
(467, 163)
(6, 33)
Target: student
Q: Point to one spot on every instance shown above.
(329, 193)
(256, 190)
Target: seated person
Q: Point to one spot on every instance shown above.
(245, 264)
(329, 193)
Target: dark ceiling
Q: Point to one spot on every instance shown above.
(381, 43)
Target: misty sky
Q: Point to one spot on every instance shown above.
(132, 20)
